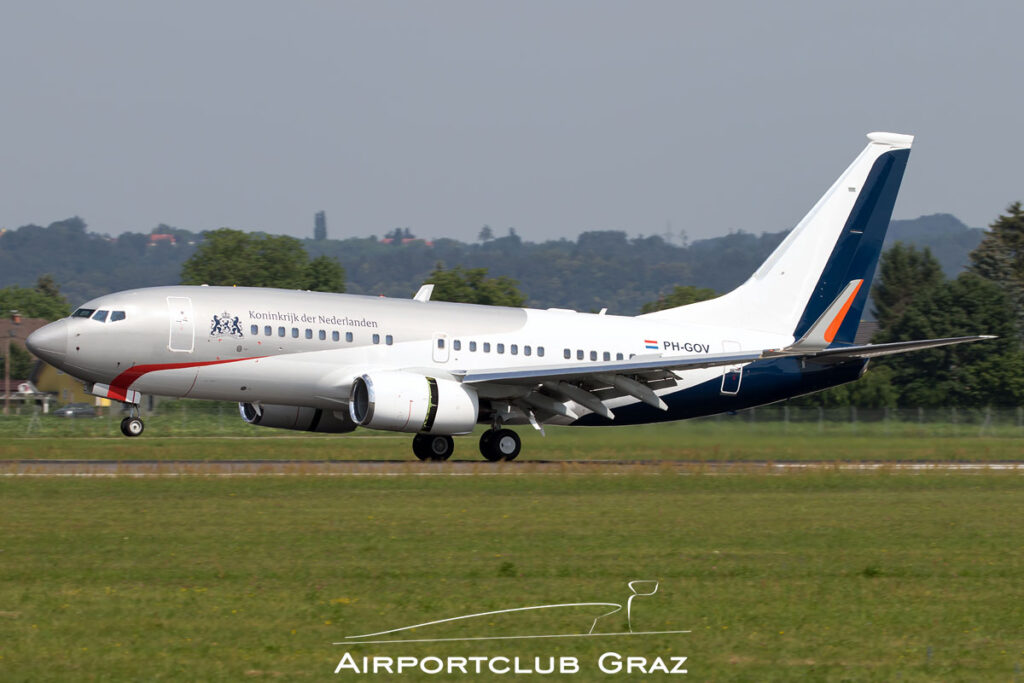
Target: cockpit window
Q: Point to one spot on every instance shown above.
(83, 313)
(101, 316)
(116, 315)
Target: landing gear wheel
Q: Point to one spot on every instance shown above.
(500, 444)
(433, 446)
(487, 448)
(132, 426)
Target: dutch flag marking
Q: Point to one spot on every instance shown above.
(650, 344)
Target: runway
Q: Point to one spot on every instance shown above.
(354, 468)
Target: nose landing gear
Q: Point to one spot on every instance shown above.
(132, 425)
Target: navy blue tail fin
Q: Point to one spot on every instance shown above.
(856, 252)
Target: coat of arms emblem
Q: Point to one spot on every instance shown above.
(225, 325)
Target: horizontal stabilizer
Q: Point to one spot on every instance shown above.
(874, 350)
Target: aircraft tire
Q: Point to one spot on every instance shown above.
(507, 444)
(488, 449)
(132, 426)
(437, 447)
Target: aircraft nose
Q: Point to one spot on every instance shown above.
(50, 342)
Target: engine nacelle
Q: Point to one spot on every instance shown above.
(408, 402)
(302, 418)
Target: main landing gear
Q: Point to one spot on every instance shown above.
(500, 444)
(433, 446)
(132, 425)
(495, 445)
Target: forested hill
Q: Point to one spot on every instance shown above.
(597, 270)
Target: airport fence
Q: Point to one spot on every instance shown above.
(945, 421)
(209, 418)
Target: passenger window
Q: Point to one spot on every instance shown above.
(376, 339)
(309, 333)
(335, 336)
(579, 354)
(472, 346)
(389, 340)
(348, 336)
(540, 351)
(116, 315)
(83, 313)
(527, 350)
(101, 316)
(607, 356)
(631, 356)
(323, 335)
(618, 356)
(295, 333)
(568, 354)
(280, 332)
(514, 349)
(593, 355)
(457, 345)
(501, 348)
(254, 330)
(268, 331)
(487, 347)
(440, 342)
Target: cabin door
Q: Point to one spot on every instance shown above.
(183, 326)
(732, 375)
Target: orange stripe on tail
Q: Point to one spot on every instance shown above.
(833, 328)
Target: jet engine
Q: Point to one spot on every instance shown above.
(409, 402)
(302, 418)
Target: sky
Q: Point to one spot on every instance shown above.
(552, 117)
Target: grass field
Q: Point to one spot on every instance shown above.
(821, 576)
(729, 438)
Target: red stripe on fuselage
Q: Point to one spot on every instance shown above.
(119, 387)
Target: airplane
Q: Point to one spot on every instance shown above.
(324, 362)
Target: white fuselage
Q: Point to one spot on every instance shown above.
(305, 348)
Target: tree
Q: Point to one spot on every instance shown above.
(21, 362)
(874, 390)
(48, 287)
(325, 275)
(1000, 258)
(472, 286)
(976, 374)
(680, 296)
(233, 257)
(43, 301)
(904, 274)
(486, 234)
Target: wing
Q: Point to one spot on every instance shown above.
(547, 389)
(637, 364)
